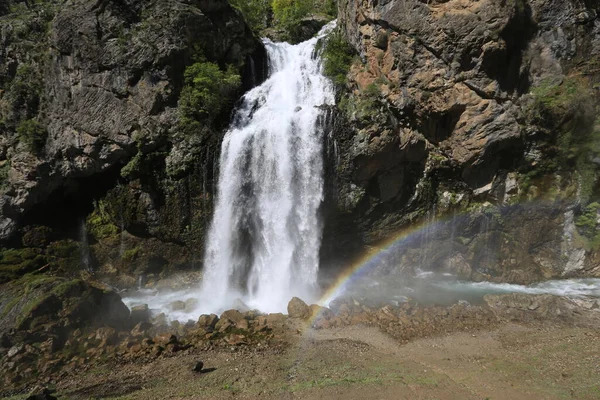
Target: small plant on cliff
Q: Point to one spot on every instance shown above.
(587, 222)
(99, 222)
(208, 89)
(337, 58)
(4, 167)
(33, 134)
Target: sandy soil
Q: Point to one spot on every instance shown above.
(511, 362)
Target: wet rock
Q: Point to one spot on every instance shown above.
(177, 305)
(298, 309)
(141, 329)
(232, 318)
(223, 325)
(166, 339)
(239, 305)
(274, 321)
(207, 322)
(140, 313)
(191, 305)
(107, 336)
(546, 308)
(160, 320)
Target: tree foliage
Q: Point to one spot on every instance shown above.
(256, 12)
(208, 89)
(337, 58)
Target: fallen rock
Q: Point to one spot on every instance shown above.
(298, 309)
(198, 367)
(140, 314)
(177, 305)
(207, 322)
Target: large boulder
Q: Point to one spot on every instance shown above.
(298, 309)
(39, 306)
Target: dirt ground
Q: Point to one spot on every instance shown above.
(511, 362)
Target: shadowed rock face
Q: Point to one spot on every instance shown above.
(112, 73)
(447, 88)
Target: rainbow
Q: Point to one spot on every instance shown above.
(376, 255)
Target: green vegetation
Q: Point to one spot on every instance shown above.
(131, 254)
(4, 167)
(587, 224)
(17, 262)
(208, 89)
(337, 58)
(32, 134)
(566, 108)
(255, 12)
(99, 222)
(289, 13)
(363, 107)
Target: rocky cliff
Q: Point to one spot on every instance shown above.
(483, 113)
(94, 124)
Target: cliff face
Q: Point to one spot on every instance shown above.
(91, 110)
(486, 107)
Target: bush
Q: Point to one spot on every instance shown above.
(4, 175)
(337, 58)
(255, 12)
(289, 13)
(588, 220)
(32, 134)
(99, 222)
(208, 89)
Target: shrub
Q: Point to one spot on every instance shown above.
(33, 134)
(255, 12)
(99, 222)
(289, 13)
(4, 175)
(337, 58)
(588, 220)
(208, 89)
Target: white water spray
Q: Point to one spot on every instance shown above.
(264, 240)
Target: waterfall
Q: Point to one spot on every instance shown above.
(265, 235)
(84, 247)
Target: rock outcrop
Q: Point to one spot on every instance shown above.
(458, 105)
(91, 112)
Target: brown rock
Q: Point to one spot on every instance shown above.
(140, 314)
(207, 322)
(298, 309)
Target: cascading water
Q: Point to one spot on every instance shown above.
(265, 236)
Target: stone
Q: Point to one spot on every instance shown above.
(139, 314)
(191, 305)
(298, 309)
(15, 350)
(107, 336)
(198, 366)
(177, 305)
(207, 322)
(141, 329)
(274, 321)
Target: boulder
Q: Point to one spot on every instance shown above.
(140, 313)
(207, 322)
(298, 309)
(177, 305)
